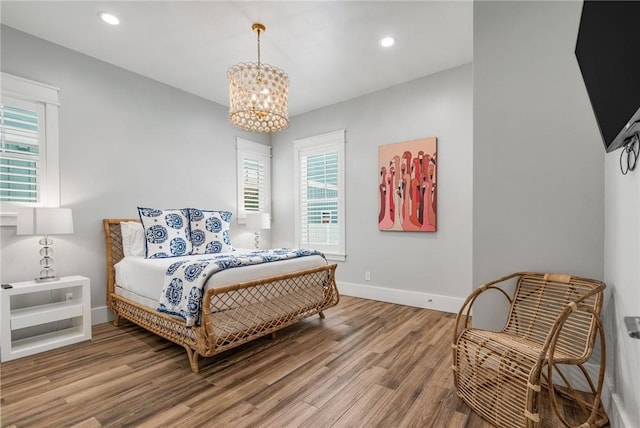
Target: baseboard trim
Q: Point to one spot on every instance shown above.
(100, 315)
(417, 299)
(402, 297)
(610, 400)
(614, 407)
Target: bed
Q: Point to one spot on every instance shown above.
(238, 305)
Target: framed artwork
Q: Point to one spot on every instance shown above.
(407, 198)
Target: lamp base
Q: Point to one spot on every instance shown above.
(47, 273)
(47, 279)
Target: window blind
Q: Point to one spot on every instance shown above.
(20, 131)
(253, 177)
(254, 185)
(319, 203)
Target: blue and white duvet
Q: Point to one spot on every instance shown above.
(185, 279)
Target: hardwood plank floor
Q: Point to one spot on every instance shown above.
(368, 364)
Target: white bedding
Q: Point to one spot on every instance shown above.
(141, 280)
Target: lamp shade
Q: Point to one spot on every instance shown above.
(258, 221)
(44, 221)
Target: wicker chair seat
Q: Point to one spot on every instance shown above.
(504, 342)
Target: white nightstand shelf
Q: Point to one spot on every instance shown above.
(39, 316)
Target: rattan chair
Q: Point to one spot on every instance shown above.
(553, 323)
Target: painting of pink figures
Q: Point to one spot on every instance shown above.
(407, 186)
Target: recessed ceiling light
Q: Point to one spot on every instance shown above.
(109, 18)
(387, 42)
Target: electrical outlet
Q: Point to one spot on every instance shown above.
(69, 296)
(633, 326)
(367, 276)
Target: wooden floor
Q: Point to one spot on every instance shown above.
(368, 364)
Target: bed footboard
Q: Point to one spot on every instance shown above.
(267, 305)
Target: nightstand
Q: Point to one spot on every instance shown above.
(39, 316)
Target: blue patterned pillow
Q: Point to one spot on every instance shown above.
(166, 232)
(210, 231)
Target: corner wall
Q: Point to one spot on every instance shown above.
(538, 163)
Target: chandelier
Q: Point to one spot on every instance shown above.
(258, 94)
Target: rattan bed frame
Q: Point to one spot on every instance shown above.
(250, 309)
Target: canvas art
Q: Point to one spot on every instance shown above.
(407, 186)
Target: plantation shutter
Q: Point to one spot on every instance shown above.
(21, 128)
(254, 180)
(319, 198)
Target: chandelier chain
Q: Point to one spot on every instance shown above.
(258, 31)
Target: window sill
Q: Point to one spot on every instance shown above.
(335, 257)
(8, 219)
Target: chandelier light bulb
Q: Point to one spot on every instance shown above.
(387, 42)
(109, 18)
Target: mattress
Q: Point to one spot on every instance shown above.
(141, 280)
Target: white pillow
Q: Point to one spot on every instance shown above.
(132, 238)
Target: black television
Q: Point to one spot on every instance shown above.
(608, 54)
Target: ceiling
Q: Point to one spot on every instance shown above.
(329, 49)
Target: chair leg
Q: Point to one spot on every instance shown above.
(193, 359)
(596, 415)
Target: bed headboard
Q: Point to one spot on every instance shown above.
(113, 241)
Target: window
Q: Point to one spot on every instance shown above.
(29, 173)
(320, 198)
(254, 178)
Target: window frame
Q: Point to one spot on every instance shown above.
(329, 142)
(46, 96)
(246, 149)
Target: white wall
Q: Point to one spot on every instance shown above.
(406, 267)
(539, 176)
(622, 275)
(125, 141)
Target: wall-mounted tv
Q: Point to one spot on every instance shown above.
(608, 53)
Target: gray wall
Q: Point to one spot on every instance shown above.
(125, 141)
(436, 105)
(538, 170)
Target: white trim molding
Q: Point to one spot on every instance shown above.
(46, 97)
(331, 142)
(259, 153)
(416, 299)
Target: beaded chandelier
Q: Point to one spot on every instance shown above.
(258, 94)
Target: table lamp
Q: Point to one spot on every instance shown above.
(258, 221)
(45, 221)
